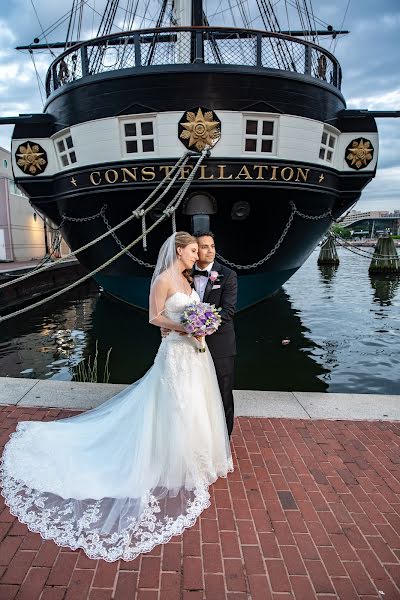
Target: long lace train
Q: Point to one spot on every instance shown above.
(130, 474)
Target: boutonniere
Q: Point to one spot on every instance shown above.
(215, 277)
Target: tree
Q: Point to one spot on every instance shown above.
(341, 231)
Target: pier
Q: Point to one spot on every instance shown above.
(54, 278)
(310, 512)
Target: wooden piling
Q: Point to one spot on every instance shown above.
(328, 254)
(385, 258)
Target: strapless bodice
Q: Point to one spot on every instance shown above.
(175, 304)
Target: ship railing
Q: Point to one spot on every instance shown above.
(187, 45)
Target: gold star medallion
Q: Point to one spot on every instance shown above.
(321, 178)
(201, 129)
(31, 158)
(73, 181)
(359, 153)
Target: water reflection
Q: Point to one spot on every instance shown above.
(385, 288)
(327, 273)
(44, 344)
(343, 328)
(263, 362)
(51, 347)
(127, 331)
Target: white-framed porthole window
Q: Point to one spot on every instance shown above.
(65, 150)
(139, 135)
(328, 145)
(260, 134)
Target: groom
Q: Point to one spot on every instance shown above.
(217, 285)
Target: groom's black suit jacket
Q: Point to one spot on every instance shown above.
(222, 343)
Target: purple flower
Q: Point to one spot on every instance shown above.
(201, 318)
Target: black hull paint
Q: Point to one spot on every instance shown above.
(241, 242)
(181, 87)
(158, 90)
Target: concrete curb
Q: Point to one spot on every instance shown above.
(248, 403)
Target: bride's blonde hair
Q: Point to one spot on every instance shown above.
(183, 239)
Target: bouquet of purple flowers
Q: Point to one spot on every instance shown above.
(201, 319)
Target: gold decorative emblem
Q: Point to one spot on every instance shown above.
(31, 158)
(359, 153)
(200, 128)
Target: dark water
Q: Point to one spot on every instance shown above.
(343, 327)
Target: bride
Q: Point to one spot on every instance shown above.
(135, 471)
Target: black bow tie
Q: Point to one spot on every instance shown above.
(204, 273)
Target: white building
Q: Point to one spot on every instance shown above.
(357, 215)
(23, 234)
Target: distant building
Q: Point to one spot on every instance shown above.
(373, 222)
(23, 234)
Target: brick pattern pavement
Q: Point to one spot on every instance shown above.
(312, 511)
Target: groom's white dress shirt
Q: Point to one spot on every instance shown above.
(200, 282)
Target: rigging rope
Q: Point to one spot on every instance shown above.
(38, 78)
(41, 27)
(170, 209)
(341, 27)
(364, 253)
(135, 214)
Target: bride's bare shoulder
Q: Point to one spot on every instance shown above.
(162, 280)
(162, 283)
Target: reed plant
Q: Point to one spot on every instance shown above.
(87, 370)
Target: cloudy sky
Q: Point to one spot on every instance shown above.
(369, 56)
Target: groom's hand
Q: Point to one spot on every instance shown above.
(164, 332)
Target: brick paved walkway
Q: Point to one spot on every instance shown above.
(311, 511)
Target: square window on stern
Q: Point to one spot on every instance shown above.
(266, 146)
(251, 127)
(131, 146)
(251, 145)
(130, 129)
(148, 145)
(147, 128)
(268, 128)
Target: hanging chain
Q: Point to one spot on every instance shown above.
(181, 162)
(83, 219)
(328, 213)
(169, 211)
(294, 212)
(120, 244)
(363, 253)
(170, 208)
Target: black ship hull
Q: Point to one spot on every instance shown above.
(267, 211)
(271, 190)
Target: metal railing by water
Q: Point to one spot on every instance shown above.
(188, 45)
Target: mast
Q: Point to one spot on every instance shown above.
(197, 13)
(183, 12)
(189, 13)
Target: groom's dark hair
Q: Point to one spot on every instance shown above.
(198, 234)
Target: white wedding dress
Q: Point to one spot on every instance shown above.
(132, 473)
